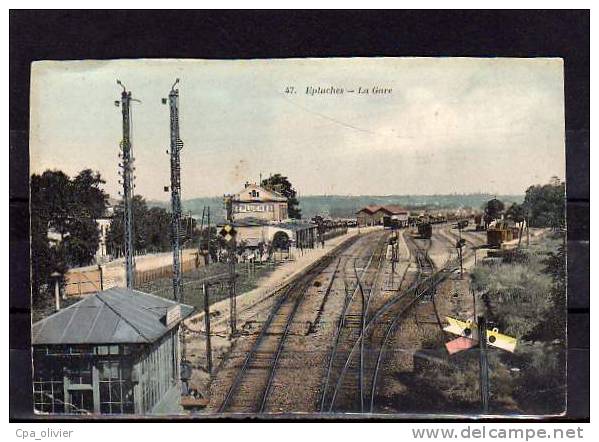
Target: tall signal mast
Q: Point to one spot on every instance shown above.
(126, 173)
(176, 146)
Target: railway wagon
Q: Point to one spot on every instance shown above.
(496, 237)
(390, 223)
(425, 230)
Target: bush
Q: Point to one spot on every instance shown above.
(540, 384)
(517, 295)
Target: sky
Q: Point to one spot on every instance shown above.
(447, 125)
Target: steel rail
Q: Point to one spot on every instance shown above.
(384, 309)
(441, 274)
(241, 372)
(340, 326)
(339, 380)
(325, 296)
(387, 335)
(381, 258)
(303, 281)
(376, 278)
(280, 345)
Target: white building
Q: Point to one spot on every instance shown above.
(259, 203)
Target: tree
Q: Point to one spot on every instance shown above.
(493, 210)
(156, 225)
(115, 238)
(87, 203)
(66, 210)
(42, 262)
(517, 213)
(80, 245)
(89, 198)
(152, 229)
(282, 185)
(545, 204)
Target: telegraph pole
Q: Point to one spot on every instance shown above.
(231, 263)
(205, 288)
(127, 174)
(484, 364)
(200, 241)
(208, 237)
(175, 148)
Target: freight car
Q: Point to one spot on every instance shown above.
(438, 219)
(498, 235)
(390, 223)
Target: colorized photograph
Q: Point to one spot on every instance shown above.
(311, 238)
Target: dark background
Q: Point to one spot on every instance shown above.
(68, 35)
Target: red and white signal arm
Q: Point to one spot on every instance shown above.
(468, 329)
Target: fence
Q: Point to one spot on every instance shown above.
(83, 282)
(166, 271)
(334, 232)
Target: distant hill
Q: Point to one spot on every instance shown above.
(338, 206)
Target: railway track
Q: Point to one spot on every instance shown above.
(354, 360)
(426, 269)
(250, 388)
(357, 281)
(347, 383)
(370, 348)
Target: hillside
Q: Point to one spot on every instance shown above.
(338, 206)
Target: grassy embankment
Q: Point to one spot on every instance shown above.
(524, 296)
(247, 278)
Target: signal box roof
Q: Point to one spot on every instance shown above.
(113, 316)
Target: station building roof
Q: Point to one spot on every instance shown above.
(253, 193)
(369, 209)
(391, 209)
(113, 316)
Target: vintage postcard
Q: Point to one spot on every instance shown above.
(311, 237)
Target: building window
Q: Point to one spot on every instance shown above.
(48, 387)
(80, 398)
(116, 389)
(80, 371)
(81, 402)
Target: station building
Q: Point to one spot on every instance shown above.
(396, 213)
(256, 202)
(261, 216)
(369, 216)
(374, 215)
(114, 352)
